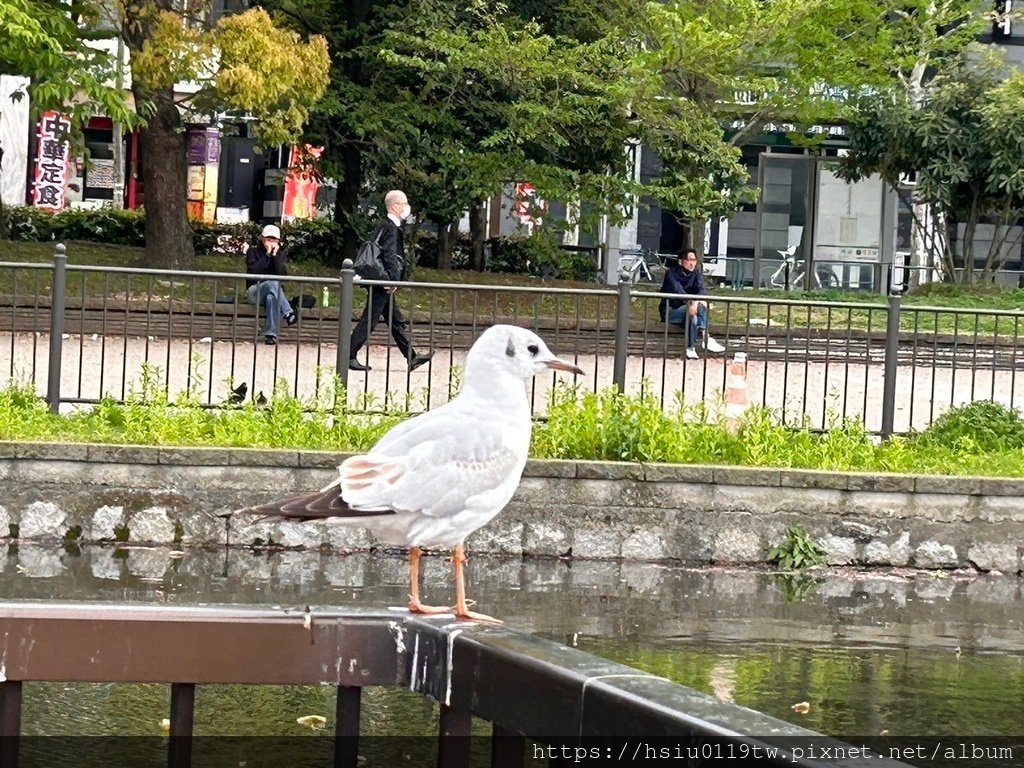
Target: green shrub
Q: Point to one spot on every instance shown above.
(540, 255)
(979, 427)
(798, 550)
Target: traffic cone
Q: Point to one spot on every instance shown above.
(736, 393)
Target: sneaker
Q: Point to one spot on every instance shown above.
(290, 318)
(271, 341)
(355, 365)
(692, 353)
(417, 360)
(713, 346)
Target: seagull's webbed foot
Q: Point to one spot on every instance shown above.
(415, 606)
(465, 613)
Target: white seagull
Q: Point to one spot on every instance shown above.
(434, 479)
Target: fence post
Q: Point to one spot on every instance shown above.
(621, 330)
(57, 296)
(345, 320)
(892, 346)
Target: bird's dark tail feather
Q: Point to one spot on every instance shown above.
(318, 505)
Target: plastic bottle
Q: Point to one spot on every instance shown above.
(325, 297)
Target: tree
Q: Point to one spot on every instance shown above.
(747, 65)
(962, 139)
(43, 42)
(245, 63)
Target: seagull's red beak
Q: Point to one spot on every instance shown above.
(558, 364)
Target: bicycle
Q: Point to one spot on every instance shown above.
(640, 263)
(790, 273)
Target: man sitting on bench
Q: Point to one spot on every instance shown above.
(684, 278)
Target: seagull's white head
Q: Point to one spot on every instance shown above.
(514, 351)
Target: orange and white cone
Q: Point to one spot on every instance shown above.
(736, 392)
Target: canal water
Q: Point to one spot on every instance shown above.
(844, 652)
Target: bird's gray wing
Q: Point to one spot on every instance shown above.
(438, 466)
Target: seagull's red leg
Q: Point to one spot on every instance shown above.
(461, 606)
(415, 605)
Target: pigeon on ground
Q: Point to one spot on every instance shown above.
(436, 478)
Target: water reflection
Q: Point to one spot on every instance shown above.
(900, 652)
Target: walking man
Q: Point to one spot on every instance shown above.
(380, 303)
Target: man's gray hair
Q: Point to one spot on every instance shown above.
(393, 197)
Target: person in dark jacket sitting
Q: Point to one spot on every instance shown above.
(267, 258)
(380, 302)
(685, 278)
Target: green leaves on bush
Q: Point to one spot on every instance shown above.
(979, 427)
(798, 550)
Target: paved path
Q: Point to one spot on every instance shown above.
(95, 365)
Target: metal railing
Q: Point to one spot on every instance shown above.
(529, 689)
(79, 334)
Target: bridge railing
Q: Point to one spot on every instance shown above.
(543, 700)
(82, 333)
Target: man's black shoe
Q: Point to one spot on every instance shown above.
(355, 365)
(417, 360)
(271, 341)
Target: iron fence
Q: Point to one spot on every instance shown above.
(78, 334)
(544, 701)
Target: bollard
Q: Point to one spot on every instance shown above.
(736, 399)
(345, 320)
(621, 331)
(57, 294)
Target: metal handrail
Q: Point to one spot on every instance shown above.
(529, 688)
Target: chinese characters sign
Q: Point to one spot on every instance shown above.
(51, 168)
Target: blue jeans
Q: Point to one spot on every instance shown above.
(694, 325)
(271, 298)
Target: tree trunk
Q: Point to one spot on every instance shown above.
(165, 182)
(347, 201)
(477, 235)
(447, 234)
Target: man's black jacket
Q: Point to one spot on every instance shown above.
(392, 249)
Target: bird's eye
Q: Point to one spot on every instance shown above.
(533, 349)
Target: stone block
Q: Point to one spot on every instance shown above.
(995, 556)
(597, 540)
(54, 451)
(808, 502)
(747, 476)
(309, 535)
(963, 485)
(1002, 486)
(344, 571)
(877, 553)
(346, 536)
(840, 550)
(42, 520)
(1000, 509)
(644, 544)
(321, 459)
(124, 454)
(935, 554)
(872, 505)
(251, 457)
(502, 536)
(881, 483)
(201, 528)
(196, 457)
(734, 544)
(152, 525)
(103, 522)
(544, 538)
(5, 523)
(944, 508)
(679, 473)
(609, 470)
(550, 468)
(805, 478)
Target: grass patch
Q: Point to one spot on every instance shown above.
(982, 438)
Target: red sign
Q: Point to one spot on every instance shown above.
(49, 187)
(301, 185)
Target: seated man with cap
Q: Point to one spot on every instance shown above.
(267, 258)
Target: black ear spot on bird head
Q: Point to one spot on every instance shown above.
(510, 349)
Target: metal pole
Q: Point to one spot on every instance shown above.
(892, 344)
(345, 320)
(621, 331)
(755, 280)
(57, 295)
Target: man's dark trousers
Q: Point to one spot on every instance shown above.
(380, 304)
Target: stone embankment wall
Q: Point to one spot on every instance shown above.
(600, 510)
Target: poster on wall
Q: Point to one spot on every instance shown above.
(302, 183)
(49, 184)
